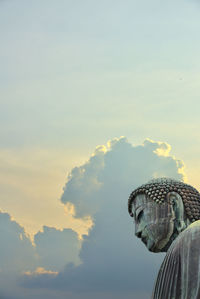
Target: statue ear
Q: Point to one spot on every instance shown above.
(176, 201)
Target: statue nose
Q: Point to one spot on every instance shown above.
(138, 230)
(138, 234)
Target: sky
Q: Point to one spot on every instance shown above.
(75, 76)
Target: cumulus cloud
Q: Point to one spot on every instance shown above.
(17, 251)
(119, 164)
(114, 262)
(17, 254)
(53, 249)
(56, 248)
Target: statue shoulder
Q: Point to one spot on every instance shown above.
(192, 231)
(188, 238)
(182, 265)
(195, 225)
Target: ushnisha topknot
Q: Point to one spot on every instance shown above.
(157, 190)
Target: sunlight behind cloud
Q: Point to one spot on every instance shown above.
(40, 271)
(31, 182)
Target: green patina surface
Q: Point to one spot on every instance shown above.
(166, 215)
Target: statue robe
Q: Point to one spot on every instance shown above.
(179, 275)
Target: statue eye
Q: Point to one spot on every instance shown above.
(139, 216)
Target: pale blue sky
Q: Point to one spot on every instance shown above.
(77, 73)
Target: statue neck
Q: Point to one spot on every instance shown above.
(179, 226)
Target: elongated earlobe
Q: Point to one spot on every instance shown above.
(180, 218)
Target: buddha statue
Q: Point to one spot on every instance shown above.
(166, 213)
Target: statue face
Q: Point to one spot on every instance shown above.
(154, 223)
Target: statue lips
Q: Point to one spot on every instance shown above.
(144, 239)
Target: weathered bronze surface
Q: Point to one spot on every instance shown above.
(166, 214)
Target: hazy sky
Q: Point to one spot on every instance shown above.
(75, 74)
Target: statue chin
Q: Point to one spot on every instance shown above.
(156, 246)
(151, 246)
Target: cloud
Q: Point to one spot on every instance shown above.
(114, 262)
(17, 251)
(56, 248)
(17, 254)
(120, 164)
(53, 249)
